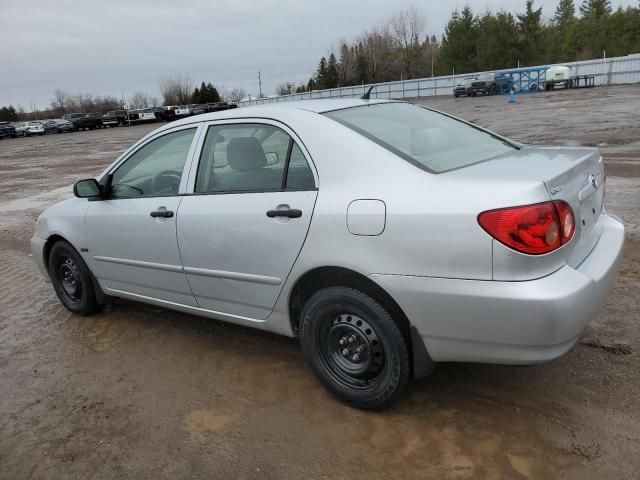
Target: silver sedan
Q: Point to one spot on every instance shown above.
(385, 236)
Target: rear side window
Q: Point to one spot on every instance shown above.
(251, 158)
(429, 140)
(299, 175)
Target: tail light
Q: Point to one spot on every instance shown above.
(533, 229)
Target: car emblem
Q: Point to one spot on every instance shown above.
(593, 180)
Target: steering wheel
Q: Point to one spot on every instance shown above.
(169, 179)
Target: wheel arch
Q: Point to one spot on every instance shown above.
(51, 241)
(54, 238)
(321, 277)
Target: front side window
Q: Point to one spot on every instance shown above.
(250, 158)
(155, 169)
(430, 140)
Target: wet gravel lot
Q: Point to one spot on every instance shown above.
(142, 392)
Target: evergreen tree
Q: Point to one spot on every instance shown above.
(595, 8)
(321, 73)
(8, 114)
(361, 67)
(311, 85)
(459, 43)
(331, 78)
(207, 93)
(212, 94)
(530, 29)
(565, 12)
(497, 45)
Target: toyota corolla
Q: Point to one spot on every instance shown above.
(385, 236)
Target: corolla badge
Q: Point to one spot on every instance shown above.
(593, 180)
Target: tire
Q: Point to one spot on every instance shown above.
(492, 89)
(339, 323)
(456, 95)
(72, 280)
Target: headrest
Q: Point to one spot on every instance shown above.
(245, 154)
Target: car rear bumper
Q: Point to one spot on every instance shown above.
(514, 323)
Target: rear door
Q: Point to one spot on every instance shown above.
(241, 229)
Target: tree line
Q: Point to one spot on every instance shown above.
(176, 90)
(401, 49)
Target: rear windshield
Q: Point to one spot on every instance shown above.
(429, 140)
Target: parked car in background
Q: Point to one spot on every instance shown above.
(463, 87)
(159, 112)
(63, 126)
(169, 113)
(182, 111)
(557, 75)
(384, 235)
(48, 125)
(26, 129)
(219, 106)
(141, 115)
(71, 116)
(7, 130)
(148, 115)
(115, 118)
(197, 109)
(490, 84)
(133, 116)
(86, 122)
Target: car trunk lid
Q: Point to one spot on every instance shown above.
(574, 175)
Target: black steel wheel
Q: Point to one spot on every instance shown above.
(354, 347)
(71, 279)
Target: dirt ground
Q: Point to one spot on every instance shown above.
(142, 392)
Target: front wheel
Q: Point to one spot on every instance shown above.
(71, 279)
(354, 347)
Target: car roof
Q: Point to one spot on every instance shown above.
(273, 109)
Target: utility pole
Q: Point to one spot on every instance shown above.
(260, 84)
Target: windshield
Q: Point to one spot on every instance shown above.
(430, 140)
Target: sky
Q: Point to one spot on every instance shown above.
(118, 47)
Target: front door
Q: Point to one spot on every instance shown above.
(132, 233)
(242, 229)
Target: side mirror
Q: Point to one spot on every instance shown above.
(87, 188)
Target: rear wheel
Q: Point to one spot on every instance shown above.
(354, 347)
(71, 279)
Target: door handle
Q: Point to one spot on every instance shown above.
(162, 213)
(288, 212)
